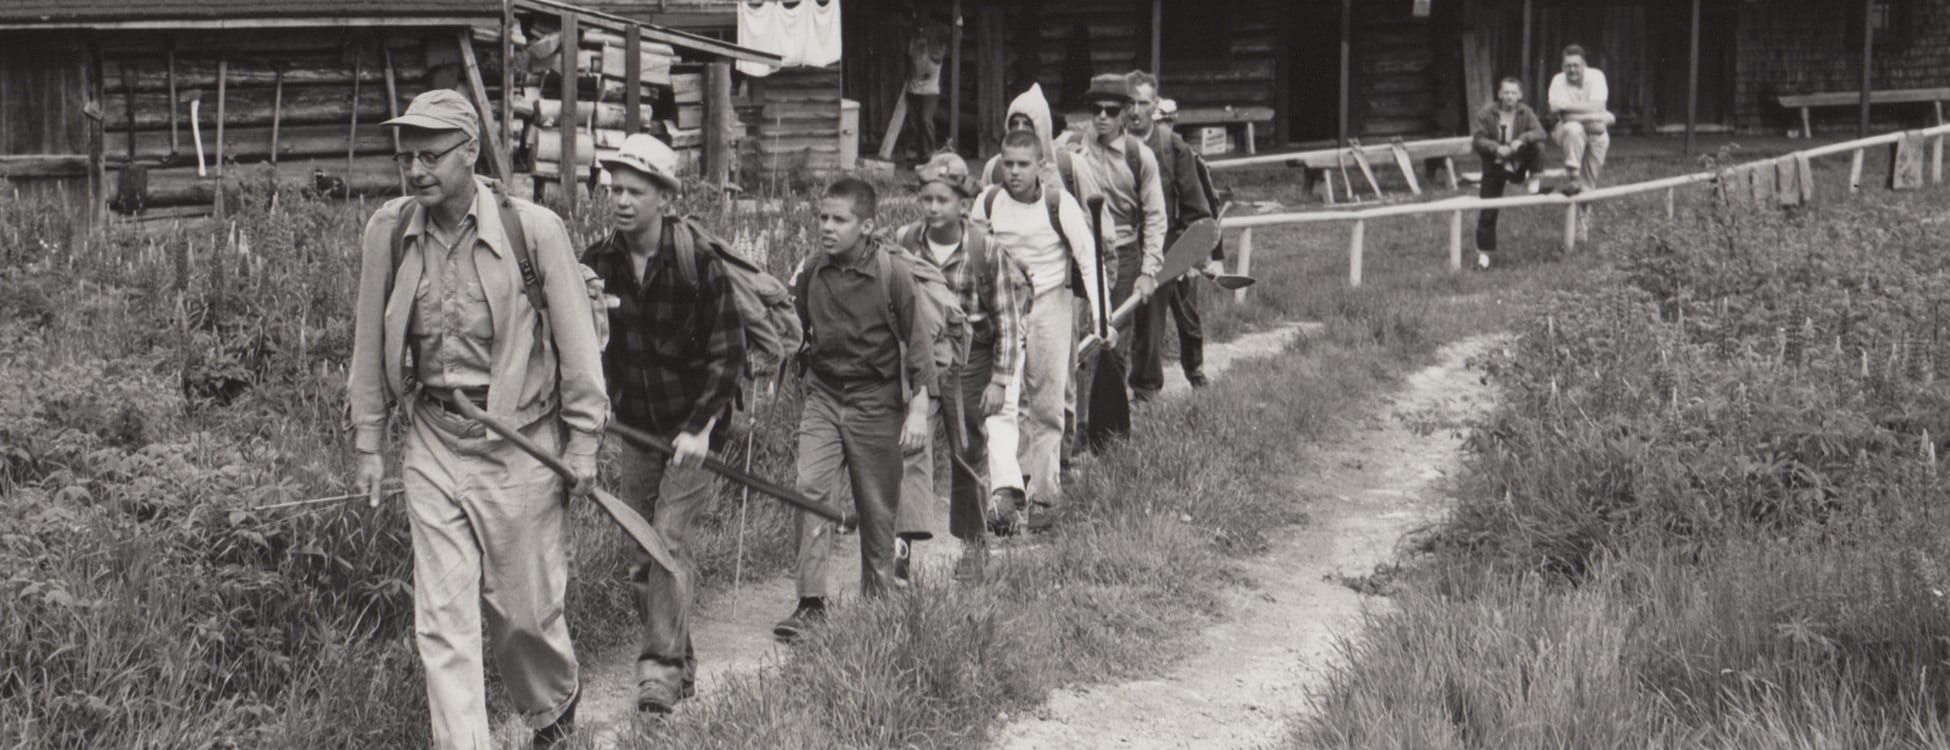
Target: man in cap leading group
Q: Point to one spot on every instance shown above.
(488, 520)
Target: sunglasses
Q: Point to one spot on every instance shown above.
(428, 159)
(1110, 110)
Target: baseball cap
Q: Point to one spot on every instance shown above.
(1167, 111)
(947, 167)
(643, 153)
(439, 109)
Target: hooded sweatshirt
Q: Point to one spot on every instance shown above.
(1033, 104)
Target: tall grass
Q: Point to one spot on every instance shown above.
(1705, 514)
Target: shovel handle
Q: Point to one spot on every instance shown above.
(549, 459)
(1091, 343)
(733, 473)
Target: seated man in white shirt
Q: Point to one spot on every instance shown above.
(1577, 103)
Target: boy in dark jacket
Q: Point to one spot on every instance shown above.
(870, 366)
(1510, 139)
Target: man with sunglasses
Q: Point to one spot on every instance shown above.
(445, 306)
(1118, 167)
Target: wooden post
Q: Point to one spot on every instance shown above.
(1347, 56)
(1868, 64)
(954, 81)
(277, 115)
(718, 118)
(223, 75)
(128, 105)
(392, 111)
(894, 123)
(1672, 209)
(507, 72)
(1524, 65)
(497, 150)
(174, 144)
(1936, 159)
(1245, 262)
(633, 80)
(1570, 226)
(1355, 239)
(1692, 84)
(566, 124)
(1855, 171)
(1449, 168)
(1455, 241)
(352, 134)
(1157, 37)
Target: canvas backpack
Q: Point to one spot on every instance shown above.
(531, 277)
(1204, 173)
(976, 246)
(935, 303)
(1053, 203)
(764, 303)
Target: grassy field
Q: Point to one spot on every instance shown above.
(1705, 514)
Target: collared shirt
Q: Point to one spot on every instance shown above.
(1591, 88)
(1130, 199)
(530, 377)
(990, 297)
(845, 310)
(451, 330)
(1178, 174)
(676, 348)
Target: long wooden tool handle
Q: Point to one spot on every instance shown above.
(1091, 343)
(733, 473)
(646, 536)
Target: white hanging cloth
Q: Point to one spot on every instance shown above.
(804, 34)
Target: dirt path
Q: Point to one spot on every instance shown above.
(733, 634)
(1252, 673)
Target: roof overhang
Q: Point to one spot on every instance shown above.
(219, 24)
(679, 39)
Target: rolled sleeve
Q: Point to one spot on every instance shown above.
(1151, 199)
(585, 402)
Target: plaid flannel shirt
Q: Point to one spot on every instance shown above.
(676, 350)
(988, 296)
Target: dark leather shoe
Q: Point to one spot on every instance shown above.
(554, 734)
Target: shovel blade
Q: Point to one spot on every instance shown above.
(1231, 281)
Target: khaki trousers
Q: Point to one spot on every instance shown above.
(671, 498)
(488, 527)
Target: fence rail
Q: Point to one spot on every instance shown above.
(1570, 203)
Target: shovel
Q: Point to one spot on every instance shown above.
(1194, 245)
(645, 535)
(1108, 412)
(1231, 281)
(733, 473)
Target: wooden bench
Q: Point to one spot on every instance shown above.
(1805, 102)
(1247, 116)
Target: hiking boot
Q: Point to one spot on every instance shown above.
(903, 557)
(554, 734)
(1004, 503)
(974, 560)
(657, 697)
(811, 612)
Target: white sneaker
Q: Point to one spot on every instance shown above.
(1483, 261)
(1534, 186)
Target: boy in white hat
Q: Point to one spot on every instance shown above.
(677, 347)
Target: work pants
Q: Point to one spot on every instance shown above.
(967, 492)
(849, 430)
(672, 499)
(1584, 151)
(1498, 173)
(488, 527)
(1178, 299)
(1029, 429)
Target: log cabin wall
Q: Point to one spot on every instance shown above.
(45, 135)
(799, 121)
(305, 104)
(1406, 78)
(1814, 46)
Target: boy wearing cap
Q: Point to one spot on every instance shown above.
(677, 348)
(869, 357)
(487, 519)
(989, 284)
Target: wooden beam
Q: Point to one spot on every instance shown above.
(223, 79)
(277, 115)
(93, 110)
(497, 148)
(1347, 56)
(39, 165)
(392, 111)
(633, 80)
(1868, 64)
(1523, 66)
(1692, 84)
(718, 121)
(571, 40)
(1157, 38)
(672, 37)
(248, 24)
(352, 134)
(954, 81)
(174, 143)
(508, 26)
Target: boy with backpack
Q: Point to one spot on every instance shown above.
(870, 362)
(1046, 230)
(991, 289)
(1187, 199)
(673, 369)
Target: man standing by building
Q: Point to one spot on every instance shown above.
(1578, 97)
(1113, 165)
(443, 307)
(1185, 202)
(673, 366)
(1510, 140)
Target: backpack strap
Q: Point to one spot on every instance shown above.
(886, 267)
(399, 241)
(988, 201)
(683, 246)
(1066, 171)
(531, 279)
